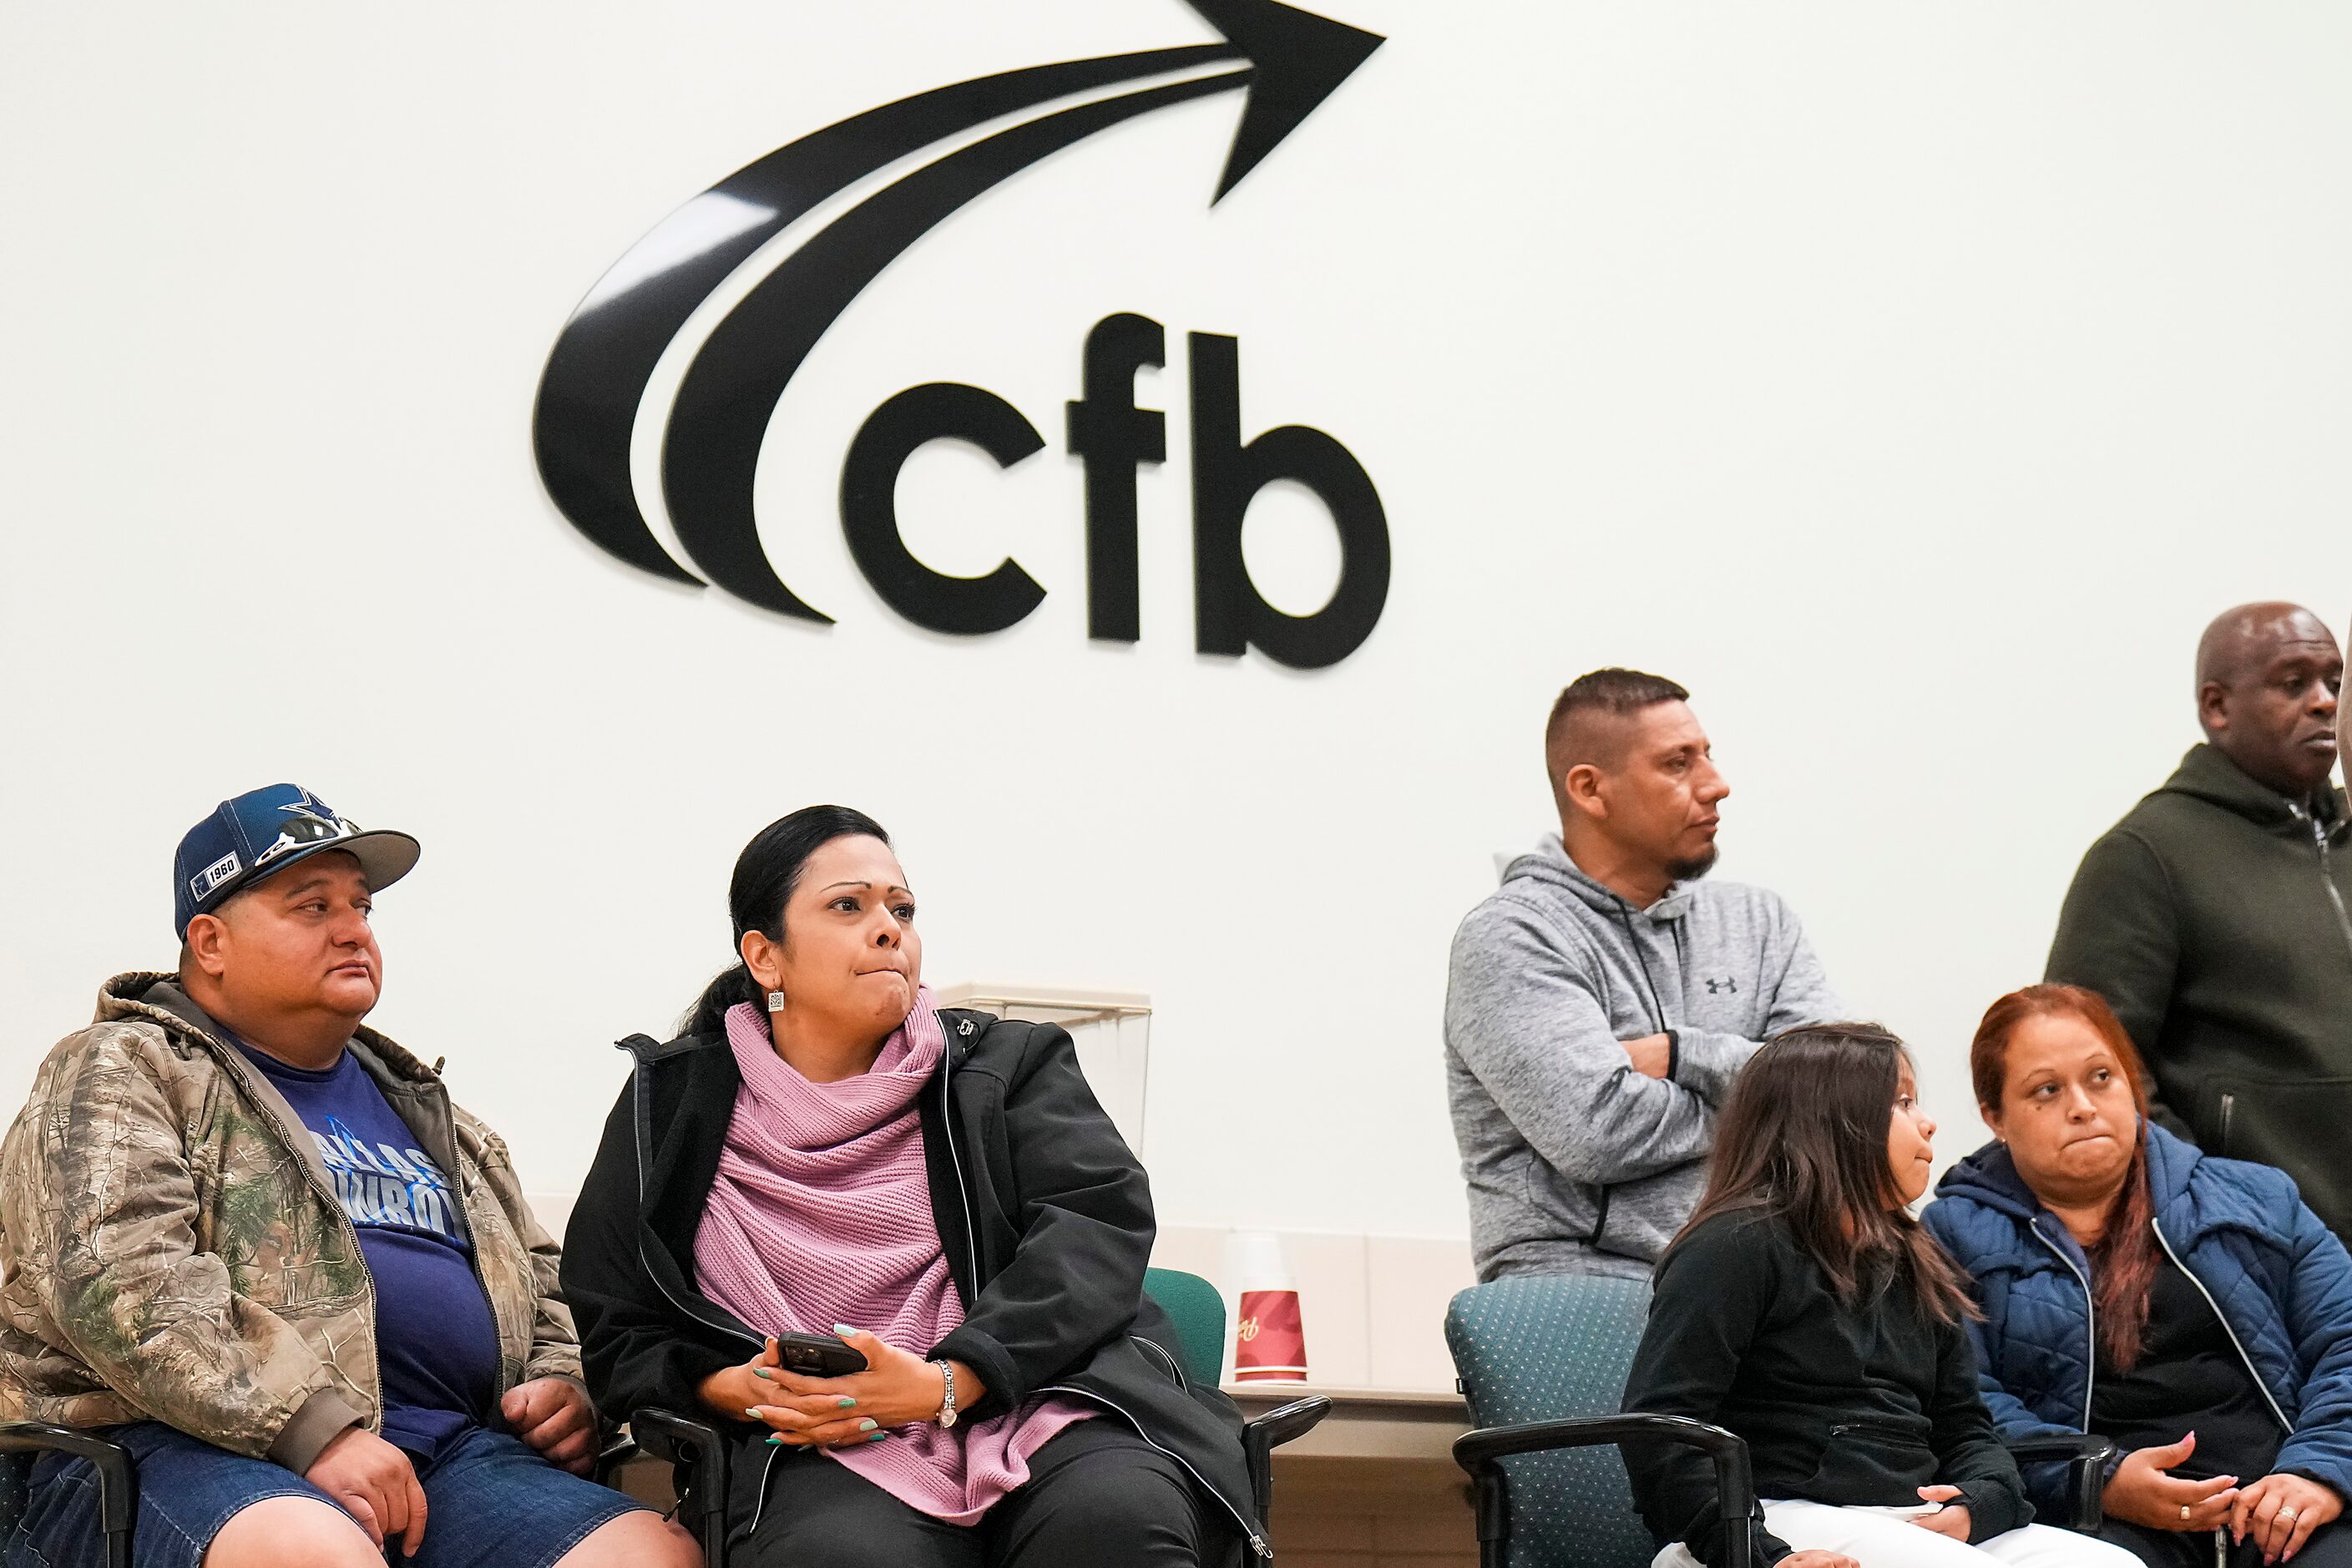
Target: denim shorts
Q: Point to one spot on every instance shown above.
(489, 1502)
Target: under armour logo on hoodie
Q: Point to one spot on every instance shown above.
(1717, 987)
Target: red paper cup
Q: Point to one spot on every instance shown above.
(1269, 1345)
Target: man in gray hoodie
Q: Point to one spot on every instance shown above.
(1602, 999)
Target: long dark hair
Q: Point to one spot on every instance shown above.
(1802, 1139)
(765, 875)
(2123, 1262)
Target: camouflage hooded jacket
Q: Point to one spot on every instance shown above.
(173, 1249)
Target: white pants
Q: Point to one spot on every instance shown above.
(1882, 1541)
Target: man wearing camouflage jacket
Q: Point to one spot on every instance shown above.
(275, 1261)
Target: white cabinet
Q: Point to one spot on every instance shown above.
(1112, 1030)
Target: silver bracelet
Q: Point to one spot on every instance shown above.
(947, 1401)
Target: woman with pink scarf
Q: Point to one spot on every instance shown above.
(822, 1150)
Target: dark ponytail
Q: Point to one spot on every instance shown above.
(765, 875)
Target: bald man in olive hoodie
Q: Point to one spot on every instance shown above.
(2214, 916)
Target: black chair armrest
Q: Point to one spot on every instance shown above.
(613, 1455)
(1481, 1453)
(1261, 1437)
(2086, 1457)
(118, 1479)
(696, 1452)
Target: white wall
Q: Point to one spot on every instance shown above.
(1912, 381)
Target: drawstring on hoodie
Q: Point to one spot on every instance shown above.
(1658, 1022)
(1657, 1007)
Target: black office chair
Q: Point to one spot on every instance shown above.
(1543, 1361)
(118, 1481)
(2086, 1460)
(1481, 1453)
(697, 1456)
(696, 1453)
(23, 1442)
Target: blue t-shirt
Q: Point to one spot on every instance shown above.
(436, 1342)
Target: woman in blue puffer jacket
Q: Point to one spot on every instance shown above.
(2190, 1309)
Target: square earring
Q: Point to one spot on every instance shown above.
(775, 1001)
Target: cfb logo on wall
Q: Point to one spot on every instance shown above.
(1286, 60)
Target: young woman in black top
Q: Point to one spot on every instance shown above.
(1805, 1310)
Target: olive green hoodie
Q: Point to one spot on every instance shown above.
(2212, 918)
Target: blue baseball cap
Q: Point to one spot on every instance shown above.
(262, 832)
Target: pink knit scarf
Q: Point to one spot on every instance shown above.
(822, 1215)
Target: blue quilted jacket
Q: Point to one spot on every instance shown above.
(2280, 1281)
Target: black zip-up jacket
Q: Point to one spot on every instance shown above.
(1043, 1215)
(1846, 1406)
(2213, 919)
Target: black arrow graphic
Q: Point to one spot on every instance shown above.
(596, 375)
(711, 453)
(1300, 58)
(597, 372)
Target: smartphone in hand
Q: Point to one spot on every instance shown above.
(818, 1355)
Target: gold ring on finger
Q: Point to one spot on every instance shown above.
(2286, 1516)
(2184, 1511)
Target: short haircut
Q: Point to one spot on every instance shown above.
(1570, 738)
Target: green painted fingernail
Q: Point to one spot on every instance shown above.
(843, 1329)
(763, 1372)
(866, 1426)
(847, 1403)
(878, 1436)
(776, 1437)
(751, 1411)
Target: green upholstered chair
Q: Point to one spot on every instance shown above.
(1199, 1314)
(1543, 1362)
(1194, 1305)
